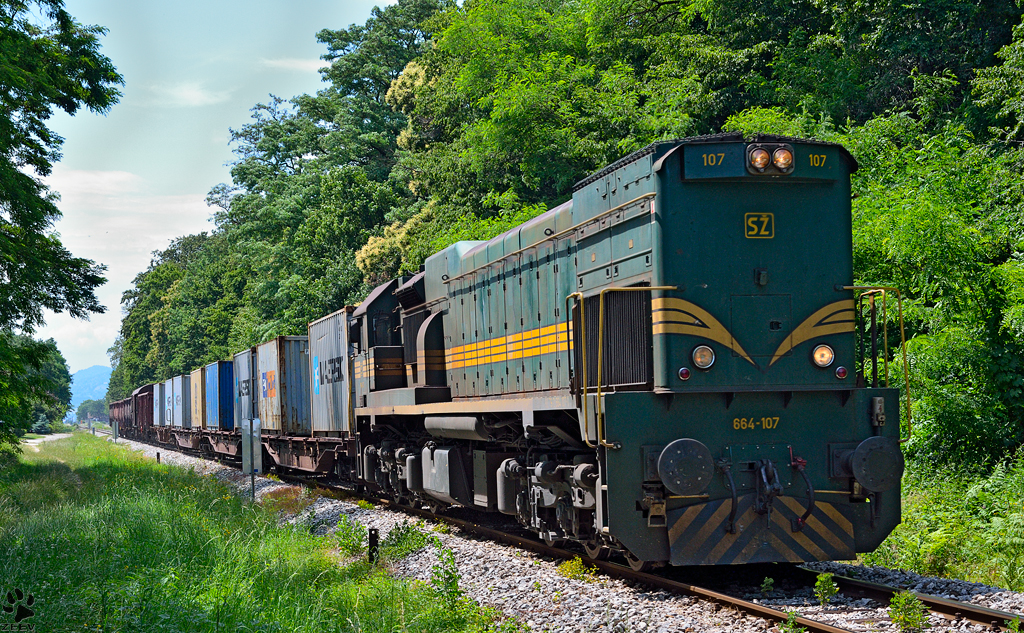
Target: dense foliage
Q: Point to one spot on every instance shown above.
(961, 527)
(35, 386)
(49, 61)
(442, 122)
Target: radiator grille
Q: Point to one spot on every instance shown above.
(628, 357)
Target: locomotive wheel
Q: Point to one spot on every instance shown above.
(636, 564)
(435, 507)
(553, 542)
(596, 551)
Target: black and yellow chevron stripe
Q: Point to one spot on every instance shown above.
(698, 534)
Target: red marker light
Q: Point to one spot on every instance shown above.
(684, 373)
(840, 372)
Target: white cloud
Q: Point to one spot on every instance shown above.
(294, 64)
(94, 183)
(83, 343)
(111, 217)
(188, 95)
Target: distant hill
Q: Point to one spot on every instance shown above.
(89, 384)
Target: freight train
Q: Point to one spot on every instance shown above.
(673, 366)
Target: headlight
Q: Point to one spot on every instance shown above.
(783, 158)
(703, 356)
(759, 159)
(823, 356)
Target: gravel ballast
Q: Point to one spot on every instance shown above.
(528, 587)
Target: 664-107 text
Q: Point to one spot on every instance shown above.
(755, 423)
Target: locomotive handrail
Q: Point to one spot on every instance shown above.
(583, 352)
(869, 290)
(599, 422)
(548, 238)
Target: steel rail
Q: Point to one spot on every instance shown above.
(618, 571)
(944, 607)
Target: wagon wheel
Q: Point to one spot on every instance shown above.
(596, 551)
(636, 564)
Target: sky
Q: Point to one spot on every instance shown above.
(135, 178)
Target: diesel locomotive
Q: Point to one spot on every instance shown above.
(674, 366)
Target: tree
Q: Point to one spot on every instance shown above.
(55, 375)
(35, 384)
(55, 65)
(91, 409)
(49, 61)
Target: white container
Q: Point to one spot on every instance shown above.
(182, 410)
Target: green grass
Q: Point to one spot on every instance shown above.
(961, 526)
(32, 436)
(106, 540)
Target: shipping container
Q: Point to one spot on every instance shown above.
(169, 402)
(158, 404)
(182, 411)
(330, 372)
(283, 393)
(220, 395)
(197, 388)
(245, 387)
(144, 409)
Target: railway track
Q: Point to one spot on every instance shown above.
(953, 610)
(852, 587)
(943, 607)
(623, 572)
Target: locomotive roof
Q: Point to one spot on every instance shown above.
(374, 295)
(724, 137)
(540, 219)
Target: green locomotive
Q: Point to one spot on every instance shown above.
(673, 365)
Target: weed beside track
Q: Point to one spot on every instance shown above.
(105, 540)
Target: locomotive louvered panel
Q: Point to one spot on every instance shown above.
(410, 328)
(627, 358)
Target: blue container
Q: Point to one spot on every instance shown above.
(220, 395)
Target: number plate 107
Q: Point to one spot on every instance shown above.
(755, 423)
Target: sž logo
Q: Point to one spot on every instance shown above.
(18, 604)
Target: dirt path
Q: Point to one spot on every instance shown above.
(47, 438)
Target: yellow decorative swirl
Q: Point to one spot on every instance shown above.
(835, 318)
(676, 316)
